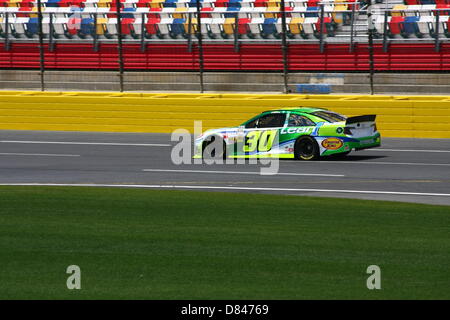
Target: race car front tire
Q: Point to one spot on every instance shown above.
(306, 148)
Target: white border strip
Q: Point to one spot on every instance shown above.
(39, 154)
(408, 150)
(90, 143)
(383, 163)
(244, 172)
(154, 186)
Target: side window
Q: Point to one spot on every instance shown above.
(296, 120)
(272, 120)
(252, 124)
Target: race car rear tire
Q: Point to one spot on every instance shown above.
(306, 148)
(212, 154)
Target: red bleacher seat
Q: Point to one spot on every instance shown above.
(313, 3)
(395, 24)
(221, 3)
(151, 25)
(205, 12)
(143, 3)
(412, 2)
(260, 3)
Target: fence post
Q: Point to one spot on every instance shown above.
(41, 46)
(370, 45)
(7, 31)
(437, 45)
(50, 40)
(352, 21)
(236, 33)
(200, 46)
(119, 42)
(95, 35)
(385, 31)
(322, 25)
(143, 46)
(189, 32)
(284, 46)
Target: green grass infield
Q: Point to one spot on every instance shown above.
(149, 244)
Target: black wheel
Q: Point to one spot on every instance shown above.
(306, 148)
(206, 153)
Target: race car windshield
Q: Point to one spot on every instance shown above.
(329, 116)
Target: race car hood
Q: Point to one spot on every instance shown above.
(213, 131)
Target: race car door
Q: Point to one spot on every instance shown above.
(261, 133)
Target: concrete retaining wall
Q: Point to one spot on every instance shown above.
(398, 116)
(348, 83)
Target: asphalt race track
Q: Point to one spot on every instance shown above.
(414, 170)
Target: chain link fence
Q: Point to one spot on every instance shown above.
(193, 45)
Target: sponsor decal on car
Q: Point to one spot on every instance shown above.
(295, 130)
(332, 143)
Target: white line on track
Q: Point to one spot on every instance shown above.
(38, 154)
(148, 186)
(244, 172)
(89, 143)
(385, 163)
(409, 150)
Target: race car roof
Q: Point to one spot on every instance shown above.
(297, 109)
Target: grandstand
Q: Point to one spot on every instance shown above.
(226, 35)
(335, 20)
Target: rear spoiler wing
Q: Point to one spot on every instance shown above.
(357, 119)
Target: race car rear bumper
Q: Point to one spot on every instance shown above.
(366, 143)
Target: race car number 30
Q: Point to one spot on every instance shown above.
(262, 140)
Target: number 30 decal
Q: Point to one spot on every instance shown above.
(261, 139)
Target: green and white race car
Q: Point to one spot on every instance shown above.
(300, 133)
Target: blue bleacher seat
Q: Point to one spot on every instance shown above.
(177, 27)
(53, 3)
(193, 3)
(312, 12)
(129, 13)
(32, 27)
(268, 26)
(234, 11)
(170, 4)
(410, 25)
(87, 26)
(234, 4)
